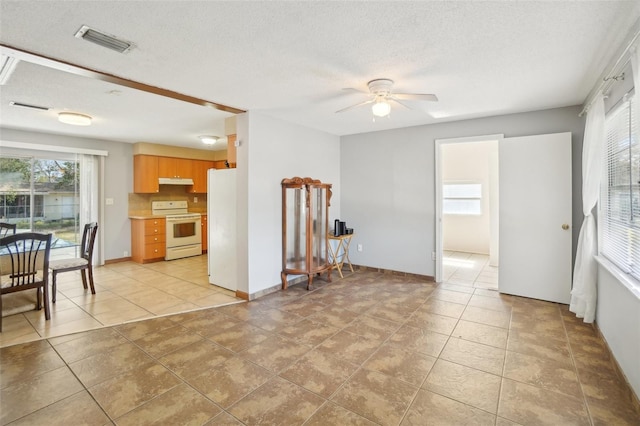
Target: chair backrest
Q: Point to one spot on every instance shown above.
(7, 229)
(88, 240)
(21, 257)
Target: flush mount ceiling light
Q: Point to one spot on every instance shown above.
(74, 118)
(103, 39)
(381, 108)
(209, 140)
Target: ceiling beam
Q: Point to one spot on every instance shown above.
(52, 63)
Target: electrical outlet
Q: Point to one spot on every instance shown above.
(359, 247)
(108, 201)
(433, 255)
(125, 253)
(195, 199)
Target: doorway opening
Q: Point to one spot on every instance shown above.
(467, 201)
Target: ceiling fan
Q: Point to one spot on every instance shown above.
(381, 95)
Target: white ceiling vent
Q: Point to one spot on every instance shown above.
(23, 105)
(103, 39)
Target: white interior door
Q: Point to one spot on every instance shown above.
(535, 217)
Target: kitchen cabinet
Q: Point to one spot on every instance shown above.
(231, 151)
(145, 174)
(148, 240)
(199, 168)
(205, 233)
(148, 168)
(169, 167)
(220, 164)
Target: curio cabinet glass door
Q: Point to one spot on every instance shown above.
(305, 212)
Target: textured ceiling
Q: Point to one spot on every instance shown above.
(290, 60)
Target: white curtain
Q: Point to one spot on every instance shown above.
(585, 273)
(89, 195)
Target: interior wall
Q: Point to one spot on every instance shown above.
(468, 163)
(388, 183)
(273, 150)
(118, 176)
(618, 317)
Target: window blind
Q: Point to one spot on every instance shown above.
(620, 191)
(462, 198)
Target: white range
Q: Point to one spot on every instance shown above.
(184, 229)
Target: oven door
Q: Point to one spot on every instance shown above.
(183, 231)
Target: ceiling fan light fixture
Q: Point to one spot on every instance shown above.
(74, 118)
(381, 108)
(208, 140)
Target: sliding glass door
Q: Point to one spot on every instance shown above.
(42, 194)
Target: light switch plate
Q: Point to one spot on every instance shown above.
(108, 201)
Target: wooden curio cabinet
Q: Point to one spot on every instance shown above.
(305, 219)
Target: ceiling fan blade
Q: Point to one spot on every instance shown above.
(416, 97)
(398, 101)
(370, 101)
(351, 89)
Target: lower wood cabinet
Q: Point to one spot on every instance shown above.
(148, 240)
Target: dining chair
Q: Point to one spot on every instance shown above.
(24, 265)
(84, 263)
(7, 229)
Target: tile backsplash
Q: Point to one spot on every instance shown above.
(140, 204)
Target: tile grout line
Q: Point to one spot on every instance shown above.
(360, 367)
(79, 381)
(575, 368)
(504, 366)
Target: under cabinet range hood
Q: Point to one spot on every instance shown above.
(175, 181)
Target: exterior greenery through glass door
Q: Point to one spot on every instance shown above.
(41, 195)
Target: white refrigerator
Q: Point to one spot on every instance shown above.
(221, 218)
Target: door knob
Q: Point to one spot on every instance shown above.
(565, 226)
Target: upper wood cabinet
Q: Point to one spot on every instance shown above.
(145, 174)
(175, 167)
(200, 168)
(231, 150)
(148, 168)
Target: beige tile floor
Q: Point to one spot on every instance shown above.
(368, 349)
(124, 292)
(469, 269)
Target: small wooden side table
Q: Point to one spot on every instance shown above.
(341, 254)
